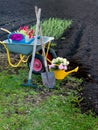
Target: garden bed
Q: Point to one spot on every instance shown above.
(67, 45)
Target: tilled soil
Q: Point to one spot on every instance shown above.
(80, 42)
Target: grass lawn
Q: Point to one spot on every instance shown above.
(40, 108)
(25, 108)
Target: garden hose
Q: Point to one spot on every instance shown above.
(9, 59)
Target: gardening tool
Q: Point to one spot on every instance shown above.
(5, 30)
(61, 74)
(48, 78)
(22, 41)
(34, 51)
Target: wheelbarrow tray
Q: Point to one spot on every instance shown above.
(26, 49)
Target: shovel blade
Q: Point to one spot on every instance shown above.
(48, 79)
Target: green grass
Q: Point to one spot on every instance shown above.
(25, 108)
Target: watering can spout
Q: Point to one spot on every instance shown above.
(61, 74)
(71, 71)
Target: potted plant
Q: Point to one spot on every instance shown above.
(26, 31)
(59, 66)
(23, 35)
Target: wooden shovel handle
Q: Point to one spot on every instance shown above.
(41, 38)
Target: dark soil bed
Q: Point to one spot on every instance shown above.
(70, 45)
(79, 43)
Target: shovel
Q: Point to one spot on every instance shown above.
(33, 51)
(48, 78)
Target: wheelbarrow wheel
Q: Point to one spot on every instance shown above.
(38, 64)
(51, 54)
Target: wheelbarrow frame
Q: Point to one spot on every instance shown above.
(25, 50)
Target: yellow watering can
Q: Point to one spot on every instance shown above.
(61, 74)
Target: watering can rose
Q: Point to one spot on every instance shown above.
(59, 63)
